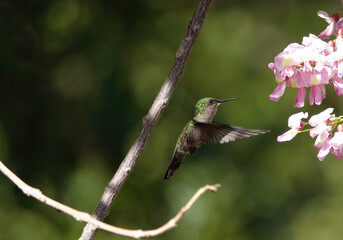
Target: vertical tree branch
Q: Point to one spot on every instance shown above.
(150, 119)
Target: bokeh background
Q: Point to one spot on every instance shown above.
(76, 79)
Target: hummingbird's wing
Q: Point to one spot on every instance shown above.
(222, 133)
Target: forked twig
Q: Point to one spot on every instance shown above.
(85, 217)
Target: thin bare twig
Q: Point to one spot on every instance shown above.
(150, 120)
(85, 217)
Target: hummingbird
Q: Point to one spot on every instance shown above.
(202, 130)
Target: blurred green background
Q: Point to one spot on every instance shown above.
(77, 77)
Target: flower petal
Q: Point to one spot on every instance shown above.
(322, 133)
(300, 98)
(321, 117)
(287, 136)
(324, 150)
(328, 31)
(323, 14)
(294, 121)
(337, 145)
(321, 127)
(278, 92)
(338, 85)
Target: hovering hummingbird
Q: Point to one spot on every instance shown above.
(201, 130)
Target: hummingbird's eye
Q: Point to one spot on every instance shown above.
(210, 101)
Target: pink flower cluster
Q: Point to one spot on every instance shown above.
(323, 125)
(312, 64)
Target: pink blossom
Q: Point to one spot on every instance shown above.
(331, 28)
(321, 117)
(324, 150)
(334, 22)
(337, 144)
(295, 123)
(338, 85)
(322, 131)
(318, 130)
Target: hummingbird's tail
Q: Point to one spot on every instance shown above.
(174, 163)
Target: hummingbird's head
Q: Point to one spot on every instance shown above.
(206, 108)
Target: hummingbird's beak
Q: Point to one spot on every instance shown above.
(225, 100)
